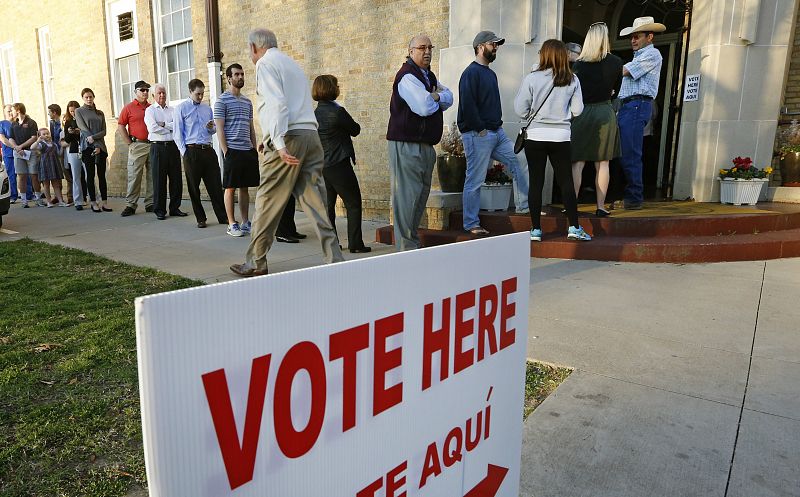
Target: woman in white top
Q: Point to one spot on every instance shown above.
(552, 94)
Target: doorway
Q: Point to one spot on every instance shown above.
(659, 145)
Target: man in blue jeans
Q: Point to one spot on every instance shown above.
(640, 79)
(480, 122)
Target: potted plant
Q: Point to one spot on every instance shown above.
(496, 189)
(789, 151)
(742, 183)
(451, 166)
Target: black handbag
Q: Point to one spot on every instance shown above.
(519, 143)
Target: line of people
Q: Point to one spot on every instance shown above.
(570, 116)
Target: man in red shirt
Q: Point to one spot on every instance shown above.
(133, 130)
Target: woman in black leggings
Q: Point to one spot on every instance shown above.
(92, 123)
(552, 94)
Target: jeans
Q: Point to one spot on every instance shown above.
(480, 150)
(632, 118)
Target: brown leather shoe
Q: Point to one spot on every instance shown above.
(246, 272)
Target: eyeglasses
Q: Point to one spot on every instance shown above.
(492, 44)
(143, 90)
(425, 48)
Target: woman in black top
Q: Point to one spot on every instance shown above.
(71, 139)
(336, 128)
(595, 135)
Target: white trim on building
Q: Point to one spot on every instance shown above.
(8, 74)
(123, 51)
(172, 26)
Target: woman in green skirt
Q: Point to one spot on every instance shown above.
(595, 135)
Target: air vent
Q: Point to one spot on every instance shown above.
(125, 26)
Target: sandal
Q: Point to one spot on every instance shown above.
(477, 230)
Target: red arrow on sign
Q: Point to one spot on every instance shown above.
(489, 486)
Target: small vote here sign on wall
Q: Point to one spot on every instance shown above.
(398, 375)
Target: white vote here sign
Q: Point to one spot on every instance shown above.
(692, 89)
(399, 375)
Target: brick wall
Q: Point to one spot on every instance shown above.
(791, 97)
(361, 42)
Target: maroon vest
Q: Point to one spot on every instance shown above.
(404, 124)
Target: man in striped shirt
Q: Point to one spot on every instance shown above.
(233, 116)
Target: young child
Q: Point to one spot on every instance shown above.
(50, 172)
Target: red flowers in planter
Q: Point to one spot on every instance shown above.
(497, 175)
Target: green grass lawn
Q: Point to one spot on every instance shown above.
(69, 401)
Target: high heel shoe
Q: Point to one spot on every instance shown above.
(95, 208)
(106, 208)
(602, 213)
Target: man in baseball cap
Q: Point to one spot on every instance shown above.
(480, 122)
(640, 79)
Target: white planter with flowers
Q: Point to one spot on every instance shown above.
(742, 183)
(741, 191)
(496, 190)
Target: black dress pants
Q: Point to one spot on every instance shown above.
(95, 163)
(286, 226)
(165, 161)
(201, 164)
(559, 153)
(340, 179)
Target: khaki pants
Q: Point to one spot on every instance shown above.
(138, 163)
(279, 181)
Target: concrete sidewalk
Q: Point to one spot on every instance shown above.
(686, 380)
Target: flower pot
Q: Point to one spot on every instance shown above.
(451, 171)
(741, 191)
(790, 169)
(495, 197)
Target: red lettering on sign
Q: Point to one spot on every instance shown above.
(462, 359)
(486, 316)
(302, 356)
(384, 398)
(436, 341)
(507, 311)
(369, 490)
(345, 345)
(239, 459)
(393, 483)
(432, 467)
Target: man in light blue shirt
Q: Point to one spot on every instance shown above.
(193, 129)
(640, 79)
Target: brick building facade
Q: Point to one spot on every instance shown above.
(362, 42)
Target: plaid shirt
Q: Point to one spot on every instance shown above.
(645, 69)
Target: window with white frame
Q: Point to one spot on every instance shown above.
(8, 74)
(177, 51)
(124, 50)
(127, 74)
(46, 62)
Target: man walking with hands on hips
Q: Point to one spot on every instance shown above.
(293, 153)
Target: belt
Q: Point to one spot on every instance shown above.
(199, 145)
(162, 142)
(636, 97)
(134, 139)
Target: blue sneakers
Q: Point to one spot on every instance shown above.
(245, 227)
(578, 234)
(536, 235)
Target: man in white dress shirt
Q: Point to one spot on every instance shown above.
(293, 153)
(165, 159)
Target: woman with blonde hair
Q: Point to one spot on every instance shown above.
(549, 97)
(595, 134)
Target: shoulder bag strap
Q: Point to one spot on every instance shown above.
(530, 119)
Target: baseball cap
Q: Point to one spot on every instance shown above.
(487, 37)
(141, 84)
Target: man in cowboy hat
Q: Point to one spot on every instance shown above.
(639, 87)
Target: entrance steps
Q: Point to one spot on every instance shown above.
(662, 232)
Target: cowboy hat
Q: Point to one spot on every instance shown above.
(643, 24)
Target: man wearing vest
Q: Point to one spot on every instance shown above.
(639, 87)
(133, 130)
(415, 126)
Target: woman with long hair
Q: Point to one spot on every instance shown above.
(92, 123)
(336, 128)
(595, 134)
(551, 95)
(71, 141)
